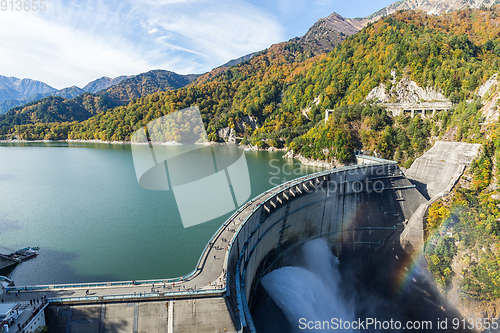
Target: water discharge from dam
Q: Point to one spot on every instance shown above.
(312, 292)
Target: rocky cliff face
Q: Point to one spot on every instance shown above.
(227, 134)
(405, 91)
(433, 7)
(246, 124)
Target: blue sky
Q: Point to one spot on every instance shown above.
(74, 42)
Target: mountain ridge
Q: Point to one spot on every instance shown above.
(13, 98)
(16, 92)
(104, 83)
(325, 34)
(239, 60)
(146, 83)
(60, 108)
(15, 88)
(430, 7)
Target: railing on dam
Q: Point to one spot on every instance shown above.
(366, 159)
(139, 296)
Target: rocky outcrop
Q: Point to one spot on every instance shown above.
(431, 7)
(246, 124)
(487, 86)
(316, 163)
(306, 111)
(405, 96)
(247, 120)
(405, 91)
(227, 134)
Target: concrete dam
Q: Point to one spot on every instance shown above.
(357, 209)
(365, 212)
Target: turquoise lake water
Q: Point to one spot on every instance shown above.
(82, 205)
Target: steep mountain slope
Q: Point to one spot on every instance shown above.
(431, 7)
(7, 93)
(69, 92)
(235, 62)
(490, 94)
(286, 91)
(321, 38)
(276, 85)
(14, 88)
(145, 84)
(325, 34)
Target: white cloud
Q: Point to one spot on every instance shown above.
(221, 31)
(78, 41)
(58, 55)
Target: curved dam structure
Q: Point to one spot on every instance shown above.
(357, 209)
(363, 212)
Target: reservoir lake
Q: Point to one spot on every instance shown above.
(82, 205)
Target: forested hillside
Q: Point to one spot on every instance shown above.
(287, 90)
(222, 100)
(54, 109)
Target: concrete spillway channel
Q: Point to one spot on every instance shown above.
(361, 211)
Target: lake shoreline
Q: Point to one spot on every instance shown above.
(170, 143)
(288, 155)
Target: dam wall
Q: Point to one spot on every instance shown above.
(356, 209)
